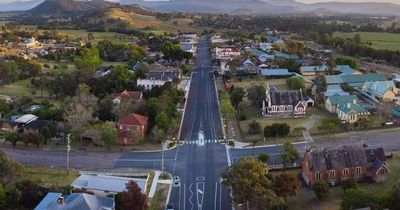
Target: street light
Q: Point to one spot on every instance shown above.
(68, 150)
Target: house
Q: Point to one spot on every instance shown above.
(30, 43)
(264, 46)
(313, 71)
(335, 90)
(267, 72)
(158, 78)
(131, 123)
(216, 39)
(25, 119)
(246, 68)
(261, 55)
(336, 164)
(81, 201)
(104, 185)
(288, 103)
(380, 90)
(35, 126)
(275, 40)
(351, 112)
(279, 54)
(332, 102)
(135, 96)
(227, 53)
(354, 80)
(188, 47)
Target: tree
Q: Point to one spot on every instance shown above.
(237, 96)
(31, 193)
(35, 139)
(163, 121)
(349, 184)
(132, 198)
(108, 134)
(355, 199)
(9, 168)
(357, 38)
(227, 109)
(105, 110)
(394, 197)
(125, 107)
(347, 61)
(296, 83)
(289, 154)
(13, 138)
(331, 65)
(254, 128)
(256, 95)
(87, 62)
(263, 157)
(79, 110)
(2, 196)
(276, 130)
(286, 184)
(46, 133)
(173, 51)
(321, 190)
(4, 107)
(250, 183)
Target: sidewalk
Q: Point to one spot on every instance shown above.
(154, 184)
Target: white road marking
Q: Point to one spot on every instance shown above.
(143, 160)
(191, 195)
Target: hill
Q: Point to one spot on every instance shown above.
(68, 8)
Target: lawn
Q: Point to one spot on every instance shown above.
(379, 40)
(20, 88)
(49, 175)
(305, 198)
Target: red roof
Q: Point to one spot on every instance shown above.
(134, 119)
(134, 95)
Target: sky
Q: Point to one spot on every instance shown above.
(304, 1)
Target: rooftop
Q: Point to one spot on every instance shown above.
(26, 118)
(106, 183)
(354, 78)
(81, 201)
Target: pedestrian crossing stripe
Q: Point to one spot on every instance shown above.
(206, 141)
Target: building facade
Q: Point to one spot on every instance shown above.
(288, 103)
(337, 164)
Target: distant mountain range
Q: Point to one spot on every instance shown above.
(273, 7)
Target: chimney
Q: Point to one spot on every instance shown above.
(60, 201)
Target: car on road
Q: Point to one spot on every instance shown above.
(177, 181)
(169, 207)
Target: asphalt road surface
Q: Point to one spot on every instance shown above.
(201, 160)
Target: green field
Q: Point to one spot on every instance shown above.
(379, 40)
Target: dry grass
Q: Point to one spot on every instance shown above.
(135, 20)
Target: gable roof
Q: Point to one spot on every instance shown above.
(167, 75)
(378, 88)
(81, 201)
(351, 107)
(275, 72)
(26, 118)
(331, 158)
(37, 124)
(354, 78)
(287, 97)
(133, 119)
(334, 90)
(339, 99)
(134, 95)
(106, 183)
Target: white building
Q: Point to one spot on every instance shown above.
(158, 78)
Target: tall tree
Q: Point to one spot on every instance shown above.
(289, 154)
(2, 196)
(321, 190)
(250, 184)
(132, 198)
(286, 184)
(237, 97)
(394, 197)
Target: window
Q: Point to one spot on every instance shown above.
(332, 174)
(345, 172)
(318, 175)
(358, 170)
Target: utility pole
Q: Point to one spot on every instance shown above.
(162, 156)
(68, 150)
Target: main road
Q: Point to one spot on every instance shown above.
(200, 160)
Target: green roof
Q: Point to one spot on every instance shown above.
(339, 99)
(354, 78)
(350, 107)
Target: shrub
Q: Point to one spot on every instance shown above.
(321, 190)
(349, 184)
